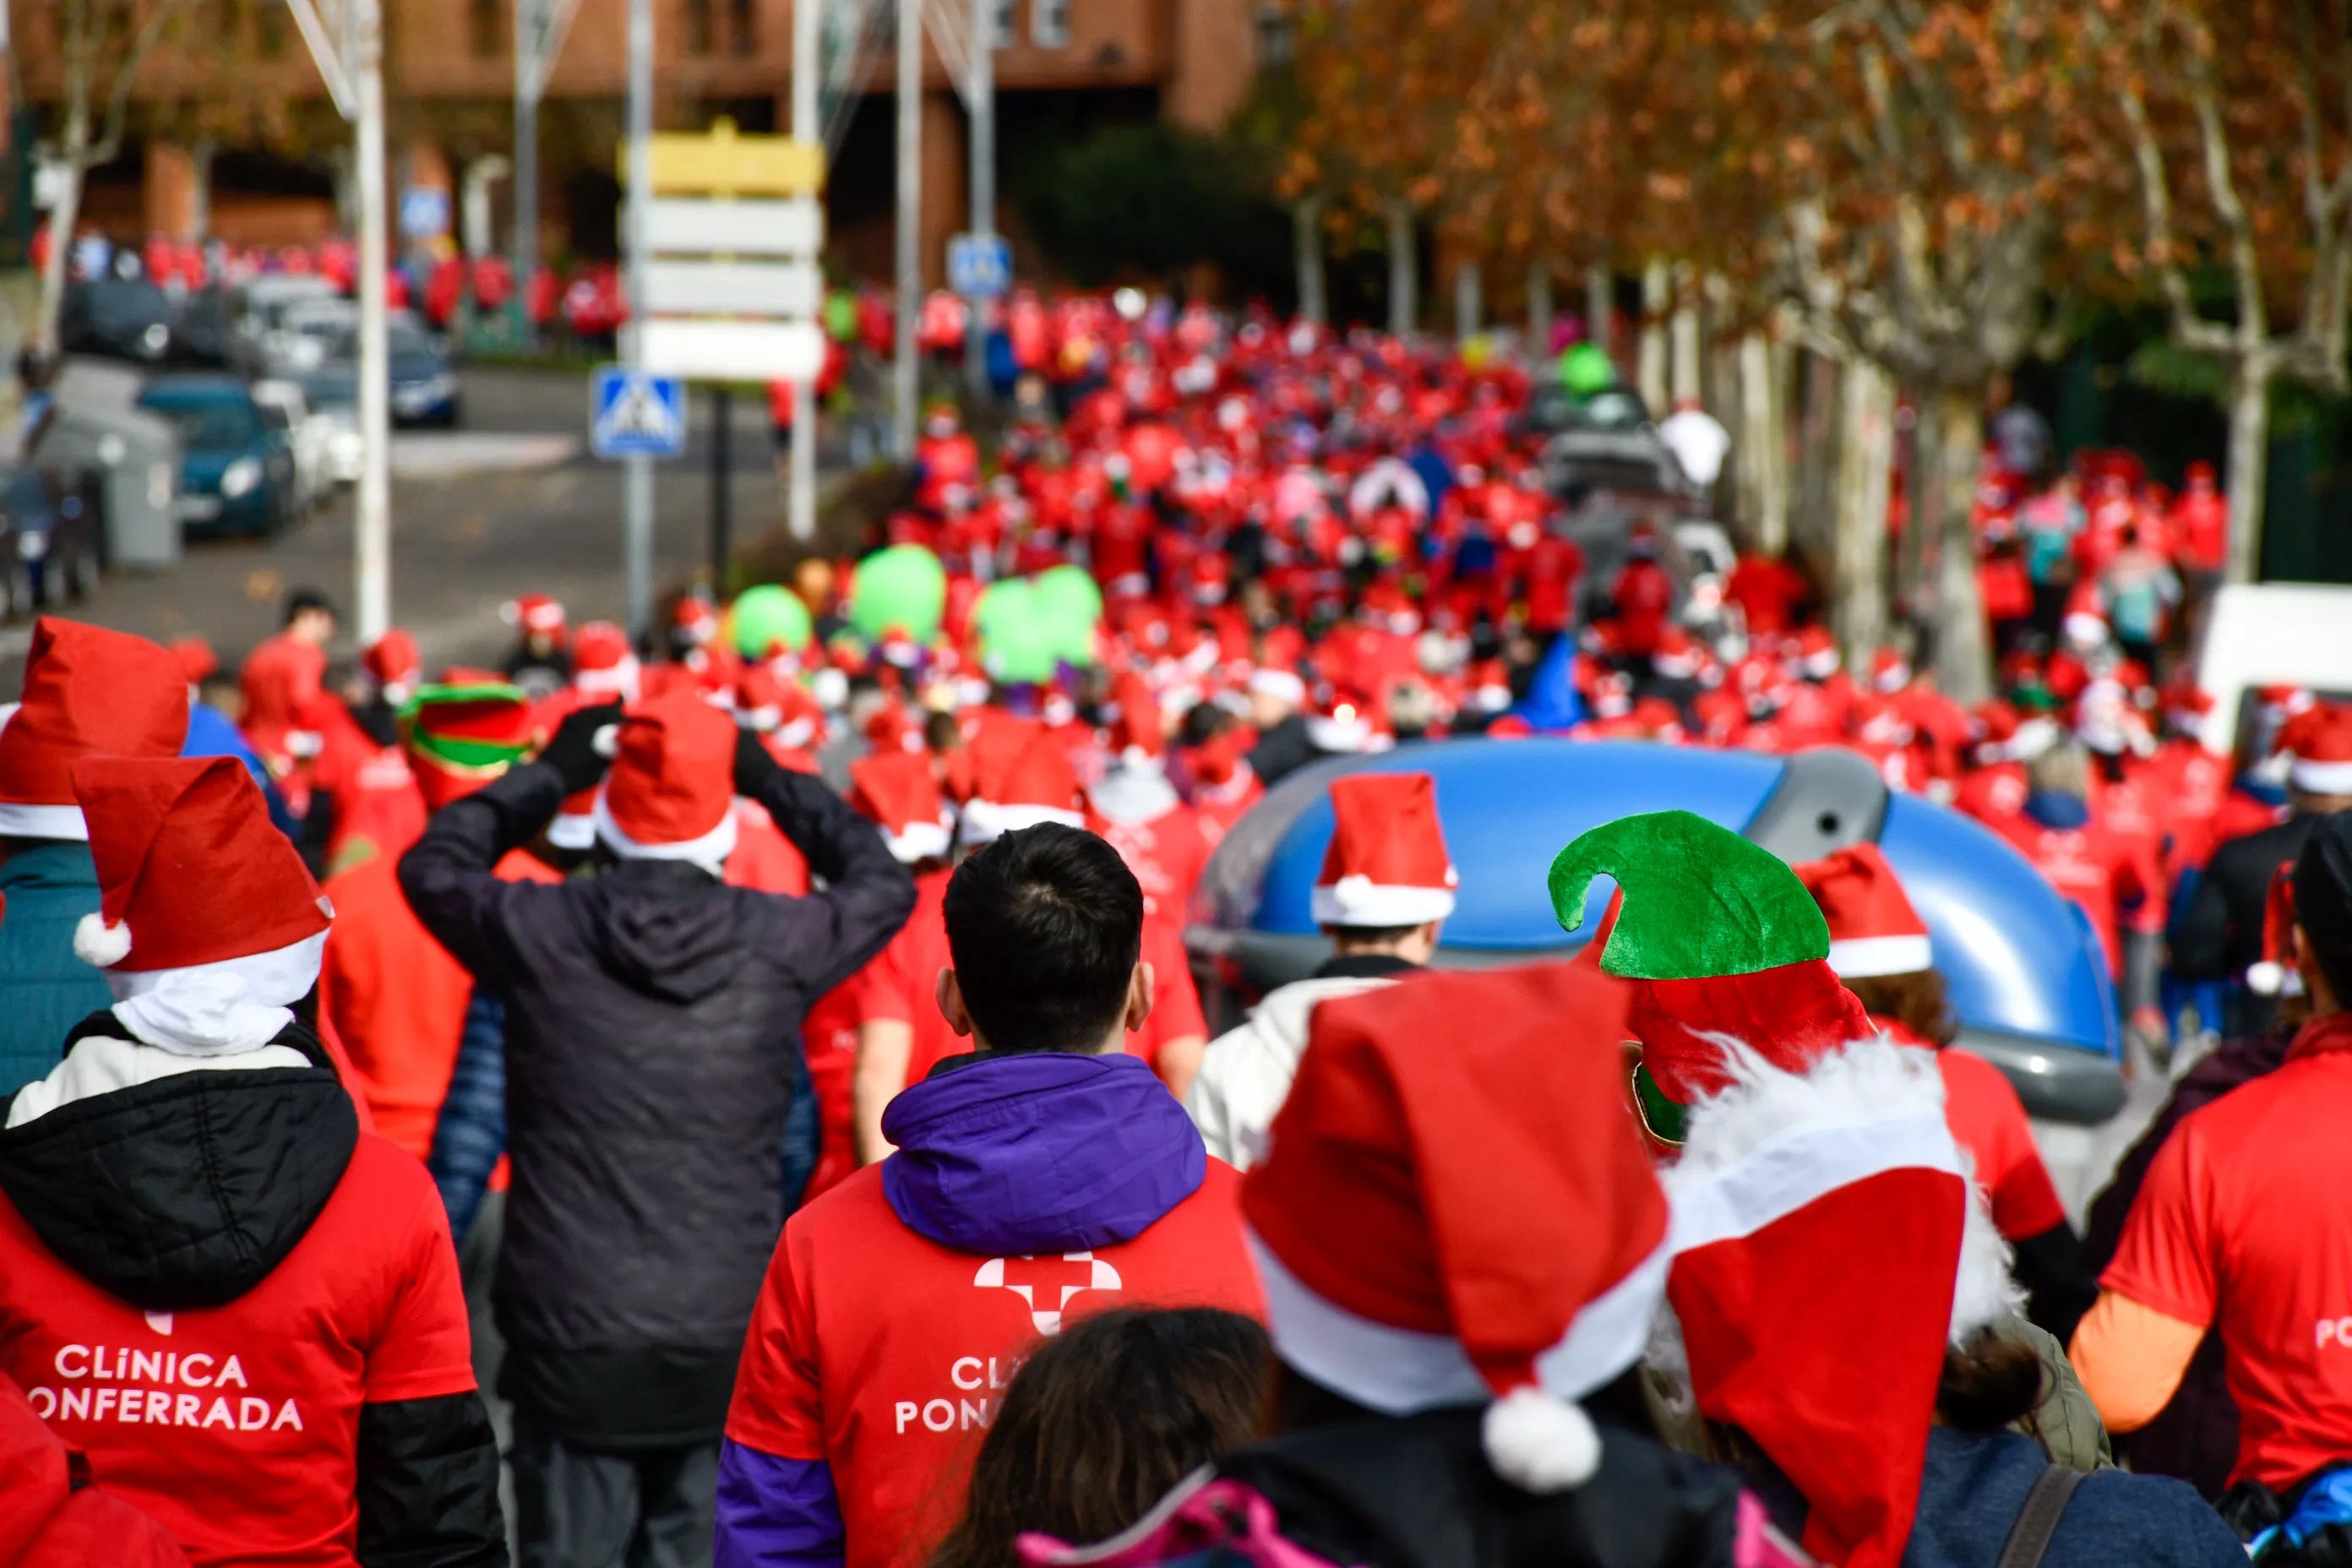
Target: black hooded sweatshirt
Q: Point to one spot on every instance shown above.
(652, 1051)
(189, 1190)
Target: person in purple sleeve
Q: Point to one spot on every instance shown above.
(1045, 1175)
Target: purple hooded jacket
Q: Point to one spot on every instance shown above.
(1028, 1152)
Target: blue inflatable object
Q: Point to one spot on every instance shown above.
(2026, 975)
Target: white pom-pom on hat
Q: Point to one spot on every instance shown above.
(1539, 1442)
(99, 944)
(1353, 891)
(607, 741)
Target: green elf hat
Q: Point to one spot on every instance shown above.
(1719, 939)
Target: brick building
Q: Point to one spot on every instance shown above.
(234, 135)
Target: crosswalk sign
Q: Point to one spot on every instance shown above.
(636, 415)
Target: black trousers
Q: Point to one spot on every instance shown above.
(579, 1508)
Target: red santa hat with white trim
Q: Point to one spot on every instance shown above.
(897, 791)
(1033, 784)
(208, 925)
(88, 692)
(671, 792)
(2321, 739)
(1473, 1225)
(1387, 864)
(1874, 930)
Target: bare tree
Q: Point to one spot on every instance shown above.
(2249, 132)
(102, 44)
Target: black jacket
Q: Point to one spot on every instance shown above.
(652, 1026)
(187, 1192)
(1417, 1492)
(2220, 933)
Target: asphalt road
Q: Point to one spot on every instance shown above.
(511, 504)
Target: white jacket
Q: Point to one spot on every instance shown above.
(1245, 1073)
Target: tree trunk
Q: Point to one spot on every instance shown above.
(1683, 340)
(1469, 299)
(1761, 456)
(1539, 310)
(1404, 270)
(2250, 443)
(1812, 526)
(1307, 254)
(1865, 446)
(1963, 653)
(1649, 363)
(1925, 487)
(1601, 307)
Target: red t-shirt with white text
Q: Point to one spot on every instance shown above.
(2244, 1223)
(885, 1354)
(235, 1428)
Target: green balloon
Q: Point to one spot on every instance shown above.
(1069, 606)
(903, 586)
(1015, 642)
(1586, 369)
(841, 315)
(767, 615)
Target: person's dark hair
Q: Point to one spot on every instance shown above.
(941, 734)
(1989, 1384)
(1916, 1001)
(1044, 925)
(2323, 901)
(1361, 937)
(1102, 1420)
(302, 601)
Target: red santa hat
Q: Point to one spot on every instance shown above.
(897, 791)
(197, 660)
(1387, 864)
(208, 925)
(2321, 739)
(603, 664)
(394, 662)
(1828, 1249)
(671, 792)
(1474, 1224)
(2274, 973)
(534, 613)
(1874, 930)
(1034, 783)
(88, 692)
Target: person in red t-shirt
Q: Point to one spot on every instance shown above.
(1643, 596)
(2244, 1226)
(1769, 592)
(1043, 1176)
(1880, 949)
(2112, 879)
(282, 682)
(290, 1380)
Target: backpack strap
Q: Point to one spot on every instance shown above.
(2037, 1521)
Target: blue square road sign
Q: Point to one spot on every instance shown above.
(635, 416)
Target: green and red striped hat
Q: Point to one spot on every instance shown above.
(1719, 939)
(462, 735)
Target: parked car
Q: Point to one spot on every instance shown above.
(51, 537)
(2027, 977)
(332, 392)
(260, 315)
(120, 318)
(1603, 445)
(424, 376)
(236, 472)
(309, 436)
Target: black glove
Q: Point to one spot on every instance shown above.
(571, 751)
(754, 766)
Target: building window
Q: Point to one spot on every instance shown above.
(1277, 36)
(742, 28)
(1002, 29)
(701, 32)
(485, 26)
(1049, 23)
